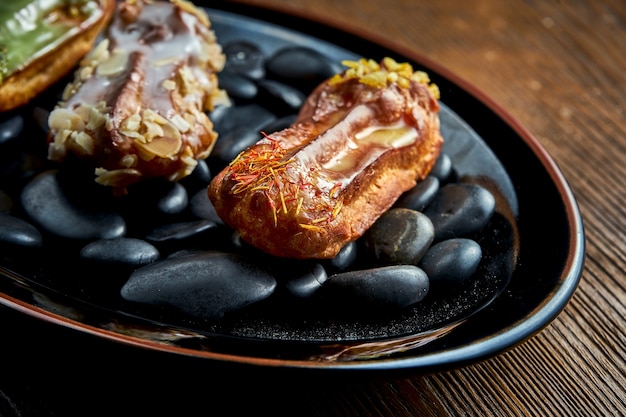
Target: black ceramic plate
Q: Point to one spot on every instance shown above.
(517, 291)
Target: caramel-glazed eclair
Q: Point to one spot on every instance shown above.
(137, 106)
(362, 138)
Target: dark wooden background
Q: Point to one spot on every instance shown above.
(559, 68)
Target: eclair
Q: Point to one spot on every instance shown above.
(362, 138)
(137, 108)
(42, 41)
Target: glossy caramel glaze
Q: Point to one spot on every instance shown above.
(306, 191)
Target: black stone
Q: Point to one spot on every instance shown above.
(156, 196)
(220, 114)
(304, 283)
(280, 98)
(173, 199)
(442, 169)
(200, 177)
(121, 251)
(239, 87)
(11, 127)
(346, 257)
(201, 207)
(252, 116)
(390, 287)
(460, 209)
(232, 143)
(301, 67)
(418, 197)
(399, 236)
(179, 231)
(19, 233)
(206, 285)
(452, 261)
(244, 57)
(67, 214)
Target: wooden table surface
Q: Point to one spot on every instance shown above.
(559, 68)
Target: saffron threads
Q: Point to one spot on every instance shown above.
(267, 168)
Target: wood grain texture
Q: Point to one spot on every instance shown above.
(558, 68)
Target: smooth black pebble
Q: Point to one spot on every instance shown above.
(245, 58)
(442, 169)
(201, 206)
(280, 97)
(205, 285)
(200, 177)
(121, 251)
(460, 209)
(156, 196)
(251, 116)
(452, 261)
(418, 197)
(173, 199)
(19, 233)
(179, 231)
(305, 282)
(389, 287)
(232, 143)
(238, 86)
(346, 257)
(11, 128)
(399, 236)
(45, 201)
(301, 67)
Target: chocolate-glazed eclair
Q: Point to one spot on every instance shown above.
(42, 41)
(137, 106)
(362, 138)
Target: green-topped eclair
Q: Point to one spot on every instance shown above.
(42, 40)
